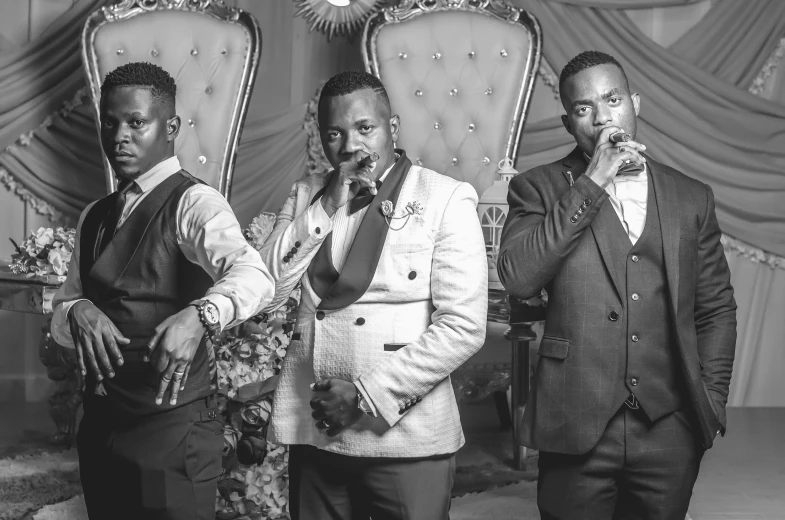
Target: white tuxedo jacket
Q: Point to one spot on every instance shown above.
(422, 315)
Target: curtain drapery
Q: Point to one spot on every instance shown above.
(712, 130)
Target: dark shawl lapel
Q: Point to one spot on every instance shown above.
(338, 291)
(102, 272)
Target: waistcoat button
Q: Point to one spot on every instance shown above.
(613, 316)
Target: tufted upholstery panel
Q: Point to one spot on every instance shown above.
(456, 79)
(207, 58)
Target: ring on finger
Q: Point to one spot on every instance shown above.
(326, 423)
(622, 149)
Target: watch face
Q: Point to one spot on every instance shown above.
(210, 313)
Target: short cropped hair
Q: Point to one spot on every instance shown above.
(143, 74)
(351, 81)
(586, 60)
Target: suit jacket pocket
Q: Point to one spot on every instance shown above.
(553, 347)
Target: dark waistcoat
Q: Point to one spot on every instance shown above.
(650, 371)
(138, 281)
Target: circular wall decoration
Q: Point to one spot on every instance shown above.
(337, 17)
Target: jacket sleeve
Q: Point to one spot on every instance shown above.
(459, 292)
(293, 243)
(715, 312)
(536, 240)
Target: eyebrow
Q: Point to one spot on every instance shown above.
(612, 92)
(363, 121)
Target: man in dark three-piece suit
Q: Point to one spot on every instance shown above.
(636, 358)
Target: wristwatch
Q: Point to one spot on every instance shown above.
(208, 315)
(363, 405)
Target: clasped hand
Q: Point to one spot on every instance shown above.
(335, 405)
(348, 179)
(608, 157)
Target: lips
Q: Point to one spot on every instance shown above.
(122, 156)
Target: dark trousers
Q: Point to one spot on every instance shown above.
(159, 467)
(637, 470)
(329, 486)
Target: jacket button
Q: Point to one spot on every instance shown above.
(318, 230)
(635, 258)
(613, 316)
(635, 338)
(634, 381)
(587, 202)
(412, 275)
(286, 259)
(293, 251)
(297, 244)
(573, 219)
(360, 321)
(635, 297)
(319, 315)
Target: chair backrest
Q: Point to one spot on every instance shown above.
(460, 74)
(212, 51)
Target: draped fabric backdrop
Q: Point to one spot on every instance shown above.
(700, 113)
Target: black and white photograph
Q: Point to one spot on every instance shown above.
(392, 259)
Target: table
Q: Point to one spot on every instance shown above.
(33, 295)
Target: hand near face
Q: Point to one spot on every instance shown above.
(96, 339)
(349, 178)
(172, 350)
(335, 405)
(608, 157)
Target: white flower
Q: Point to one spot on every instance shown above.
(59, 265)
(387, 208)
(44, 237)
(259, 229)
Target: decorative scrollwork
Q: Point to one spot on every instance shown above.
(129, 8)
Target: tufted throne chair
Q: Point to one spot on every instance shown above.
(211, 50)
(460, 74)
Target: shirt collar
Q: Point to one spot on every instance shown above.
(158, 173)
(387, 171)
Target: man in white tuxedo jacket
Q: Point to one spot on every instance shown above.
(393, 269)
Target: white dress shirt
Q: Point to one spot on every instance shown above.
(208, 235)
(628, 195)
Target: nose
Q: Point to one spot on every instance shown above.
(119, 134)
(352, 143)
(602, 115)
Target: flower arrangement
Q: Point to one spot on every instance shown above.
(255, 484)
(45, 252)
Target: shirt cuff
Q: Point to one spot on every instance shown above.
(225, 308)
(319, 222)
(361, 391)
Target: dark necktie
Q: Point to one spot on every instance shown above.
(363, 198)
(110, 225)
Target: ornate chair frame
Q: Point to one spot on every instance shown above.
(213, 8)
(409, 9)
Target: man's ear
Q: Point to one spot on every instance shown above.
(566, 122)
(172, 128)
(636, 103)
(395, 126)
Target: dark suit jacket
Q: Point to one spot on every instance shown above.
(548, 243)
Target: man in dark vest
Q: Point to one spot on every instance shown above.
(636, 358)
(159, 266)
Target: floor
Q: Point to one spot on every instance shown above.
(742, 477)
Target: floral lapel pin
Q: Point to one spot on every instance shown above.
(411, 208)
